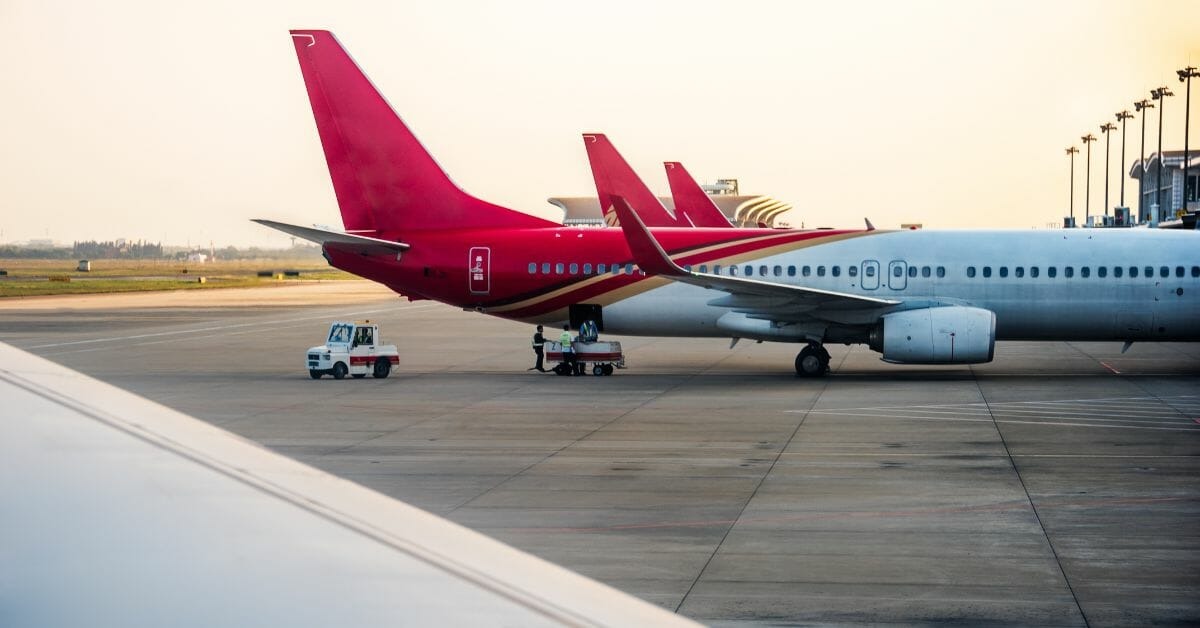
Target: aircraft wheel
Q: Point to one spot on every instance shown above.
(383, 366)
(339, 371)
(315, 374)
(813, 361)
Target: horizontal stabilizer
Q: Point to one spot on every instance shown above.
(360, 243)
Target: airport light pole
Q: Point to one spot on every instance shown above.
(1142, 105)
(1160, 94)
(1071, 151)
(1087, 189)
(1185, 76)
(1107, 128)
(1122, 116)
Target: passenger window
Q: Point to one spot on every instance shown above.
(806, 271)
(971, 272)
(1019, 272)
(1068, 271)
(601, 269)
(733, 271)
(820, 271)
(912, 271)
(1102, 271)
(1085, 271)
(1196, 271)
(1179, 271)
(870, 271)
(852, 271)
(587, 269)
(1149, 272)
(987, 271)
(629, 269)
(558, 268)
(791, 271)
(1118, 271)
(1033, 271)
(748, 271)
(1052, 272)
(704, 268)
(926, 271)
(687, 267)
(897, 271)
(778, 271)
(574, 269)
(762, 271)
(836, 271)
(532, 267)
(1133, 271)
(716, 269)
(1163, 271)
(1004, 271)
(545, 268)
(941, 271)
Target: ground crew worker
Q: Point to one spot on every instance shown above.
(568, 352)
(538, 342)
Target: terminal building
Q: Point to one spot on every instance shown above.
(1179, 199)
(742, 210)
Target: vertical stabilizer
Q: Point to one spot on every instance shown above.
(614, 177)
(690, 199)
(384, 179)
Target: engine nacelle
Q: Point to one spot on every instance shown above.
(952, 334)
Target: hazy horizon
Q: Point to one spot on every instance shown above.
(179, 123)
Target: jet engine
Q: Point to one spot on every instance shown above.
(951, 334)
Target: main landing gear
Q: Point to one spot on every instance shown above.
(813, 361)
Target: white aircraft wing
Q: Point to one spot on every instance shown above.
(117, 511)
(651, 258)
(365, 244)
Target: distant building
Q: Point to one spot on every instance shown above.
(1173, 190)
(741, 210)
(197, 257)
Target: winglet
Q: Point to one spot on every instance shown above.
(870, 227)
(647, 252)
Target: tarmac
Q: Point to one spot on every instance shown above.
(1057, 485)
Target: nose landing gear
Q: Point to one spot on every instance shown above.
(813, 361)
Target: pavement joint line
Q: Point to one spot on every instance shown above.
(742, 511)
(988, 407)
(650, 397)
(1037, 515)
(1009, 421)
(899, 413)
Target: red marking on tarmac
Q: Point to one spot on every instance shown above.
(1110, 367)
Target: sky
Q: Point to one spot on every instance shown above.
(178, 122)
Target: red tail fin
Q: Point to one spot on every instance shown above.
(614, 177)
(384, 179)
(691, 200)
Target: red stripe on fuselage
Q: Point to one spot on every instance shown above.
(436, 265)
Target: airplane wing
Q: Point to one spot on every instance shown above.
(117, 511)
(359, 243)
(745, 293)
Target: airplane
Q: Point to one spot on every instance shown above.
(916, 297)
(691, 199)
(121, 512)
(614, 177)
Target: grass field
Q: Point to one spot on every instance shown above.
(45, 277)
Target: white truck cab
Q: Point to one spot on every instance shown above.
(352, 348)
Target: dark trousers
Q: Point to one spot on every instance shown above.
(538, 366)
